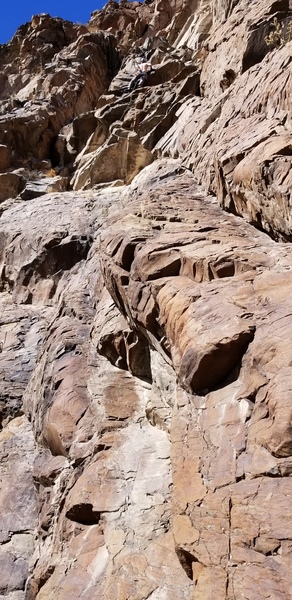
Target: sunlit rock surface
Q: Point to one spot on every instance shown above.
(145, 305)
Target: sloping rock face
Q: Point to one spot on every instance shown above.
(145, 294)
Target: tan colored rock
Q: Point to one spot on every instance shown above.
(115, 340)
(132, 22)
(34, 189)
(238, 144)
(11, 185)
(190, 27)
(145, 343)
(248, 28)
(231, 415)
(52, 88)
(120, 159)
(18, 518)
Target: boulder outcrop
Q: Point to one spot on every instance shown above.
(145, 304)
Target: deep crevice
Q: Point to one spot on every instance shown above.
(186, 560)
(83, 514)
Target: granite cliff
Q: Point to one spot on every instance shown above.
(145, 304)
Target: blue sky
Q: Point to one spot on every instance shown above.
(17, 12)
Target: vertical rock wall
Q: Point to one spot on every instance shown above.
(145, 305)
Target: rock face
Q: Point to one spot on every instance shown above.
(145, 293)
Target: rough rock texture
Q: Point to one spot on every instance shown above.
(145, 305)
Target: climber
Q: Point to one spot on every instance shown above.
(144, 69)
